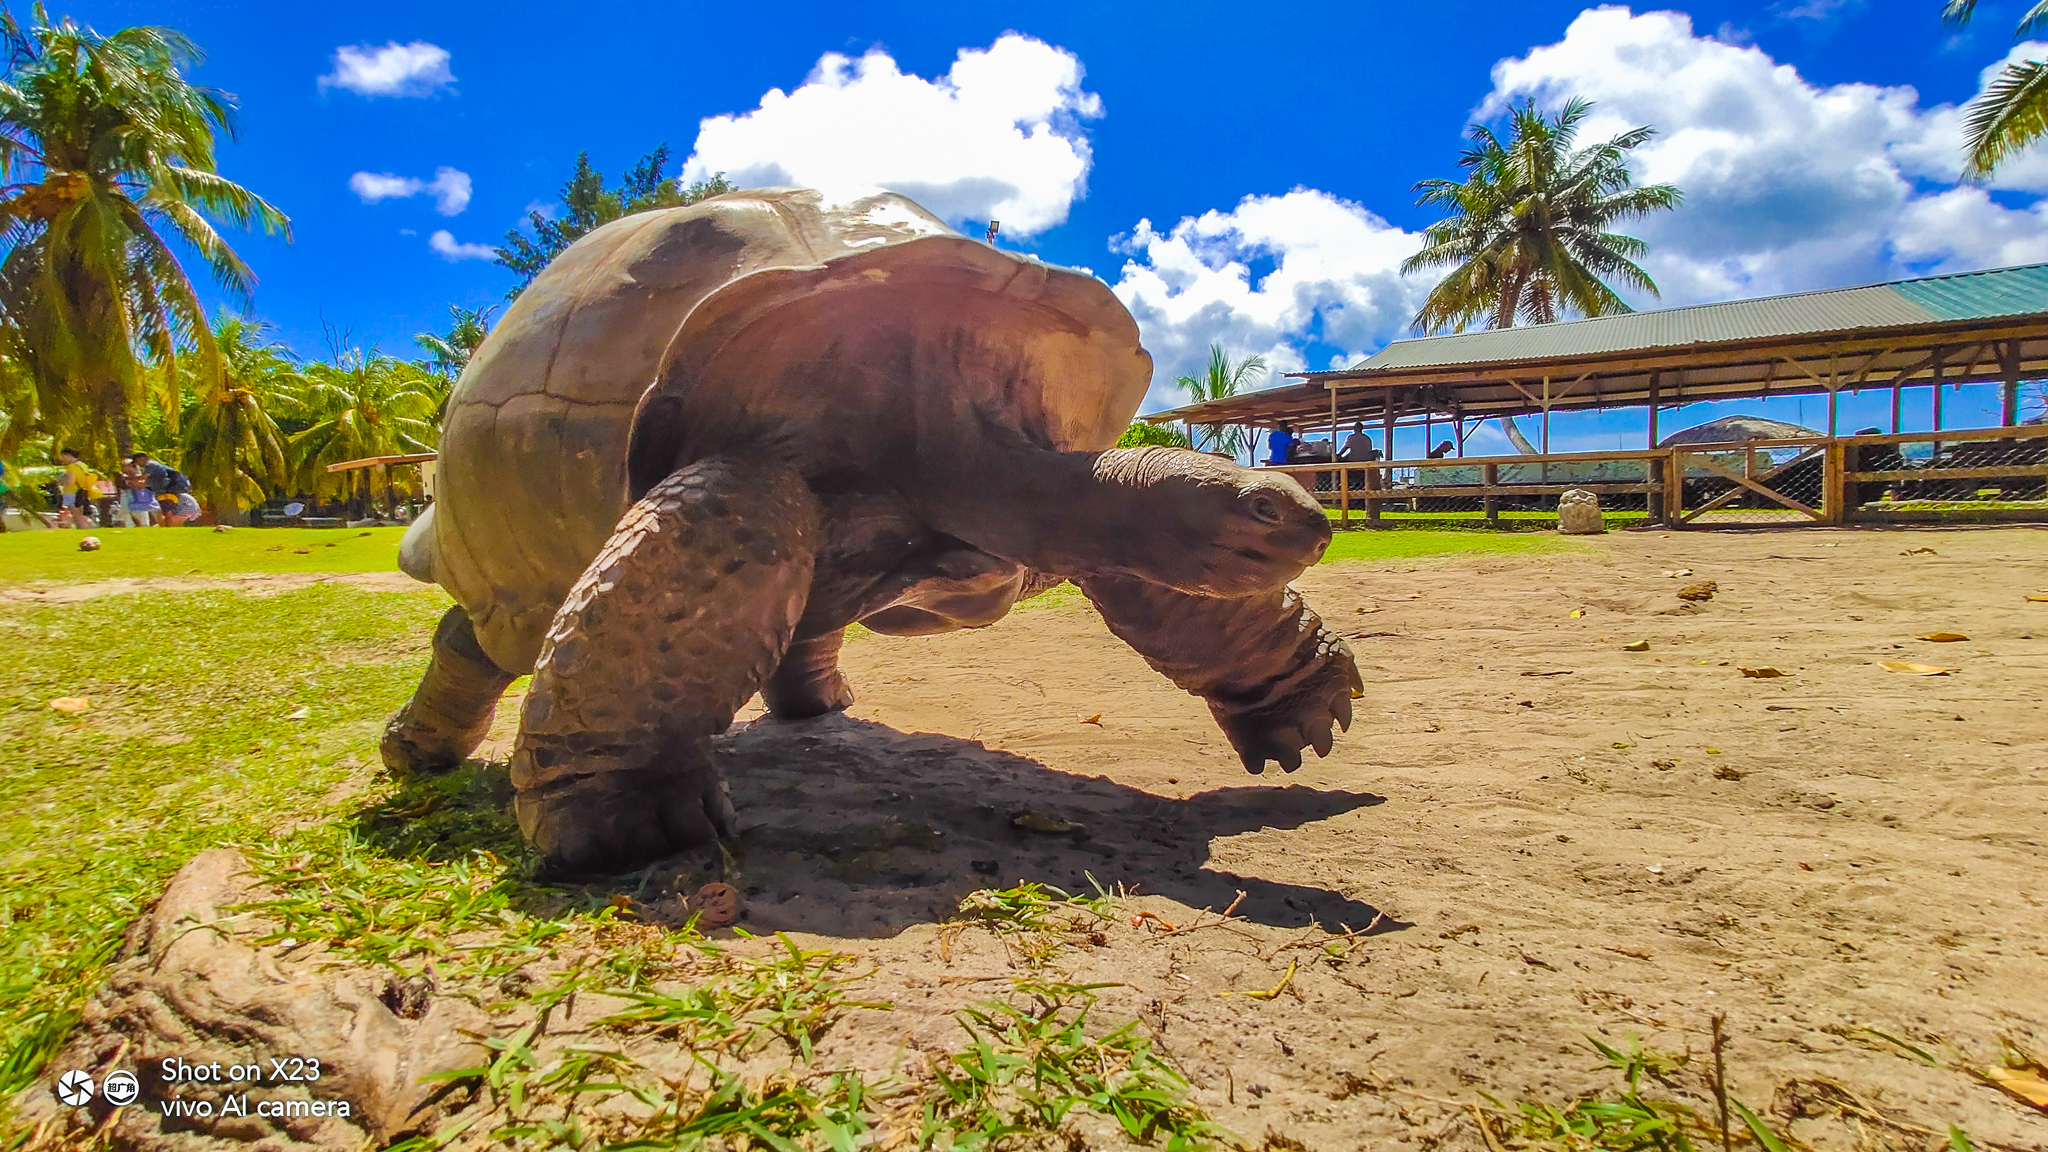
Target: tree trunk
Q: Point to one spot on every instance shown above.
(117, 418)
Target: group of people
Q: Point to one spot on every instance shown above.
(146, 492)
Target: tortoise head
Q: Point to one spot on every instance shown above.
(1207, 525)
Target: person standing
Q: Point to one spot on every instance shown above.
(172, 489)
(1280, 446)
(138, 503)
(78, 485)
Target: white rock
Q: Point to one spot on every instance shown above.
(1578, 513)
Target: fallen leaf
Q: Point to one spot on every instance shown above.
(1919, 552)
(301, 714)
(1675, 573)
(1656, 869)
(1363, 611)
(623, 904)
(1037, 821)
(1620, 744)
(1636, 646)
(302, 551)
(2039, 599)
(1726, 773)
(71, 703)
(1095, 719)
(1764, 673)
(716, 906)
(1578, 612)
(1943, 637)
(1704, 590)
(1559, 672)
(2022, 1084)
(1909, 668)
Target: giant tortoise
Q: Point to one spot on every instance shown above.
(707, 440)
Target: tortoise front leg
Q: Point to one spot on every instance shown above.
(680, 619)
(450, 713)
(1275, 678)
(808, 682)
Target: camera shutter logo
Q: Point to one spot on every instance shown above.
(121, 1088)
(74, 1088)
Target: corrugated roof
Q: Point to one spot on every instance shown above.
(1998, 292)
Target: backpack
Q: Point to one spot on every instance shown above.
(179, 484)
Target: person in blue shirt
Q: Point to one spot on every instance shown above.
(1280, 446)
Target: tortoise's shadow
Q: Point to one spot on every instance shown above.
(852, 828)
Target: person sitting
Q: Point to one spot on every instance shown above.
(1358, 449)
(78, 485)
(1280, 446)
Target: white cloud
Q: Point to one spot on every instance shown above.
(450, 188)
(999, 136)
(1789, 185)
(447, 247)
(1334, 278)
(415, 69)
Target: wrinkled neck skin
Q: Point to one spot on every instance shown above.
(1190, 521)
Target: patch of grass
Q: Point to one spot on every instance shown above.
(1410, 542)
(189, 742)
(1031, 1063)
(1629, 1119)
(40, 558)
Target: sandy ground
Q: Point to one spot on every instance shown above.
(1557, 837)
(256, 585)
(1530, 836)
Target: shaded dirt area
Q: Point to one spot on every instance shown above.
(1529, 836)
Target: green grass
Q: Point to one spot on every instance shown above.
(1409, 542)
(189, 742)
(39, 557)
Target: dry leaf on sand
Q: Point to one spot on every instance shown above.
(2022, 1084)
(1943, 637)
(716, 906)
(1636, 646)
(1919, 552)
(2039, 599)
(1764, 673)
(1675, 573)
(1907, 667)
(1095, 719)
(71, 703)
(1037, 821)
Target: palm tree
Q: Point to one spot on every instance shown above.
(451, 353)
(1219, 379)
(117, 148)
(362, 404)
(1527, 233)
(232, 444)
(2012, 112)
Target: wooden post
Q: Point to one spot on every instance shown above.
(1834, 394)
(1834, 490)
(1387, 430)
(1343, 473)
(1458, 427)
(1896, 404)
(1655, 380)
(1491, 477)
(2009, 367)
(1674, 488)
(1372, 500)
(1546, 423)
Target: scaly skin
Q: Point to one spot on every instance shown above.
(1275, 678)
(682, 616)
(450, 712)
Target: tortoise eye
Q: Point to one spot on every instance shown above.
(1266, 508)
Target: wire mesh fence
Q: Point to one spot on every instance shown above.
(1952, 475)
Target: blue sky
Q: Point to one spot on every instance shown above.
(1236, 173)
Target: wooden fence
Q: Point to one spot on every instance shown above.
(1948, 476)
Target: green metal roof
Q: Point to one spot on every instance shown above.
(1992, 294)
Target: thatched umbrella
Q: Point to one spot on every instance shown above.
(1736, 430)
